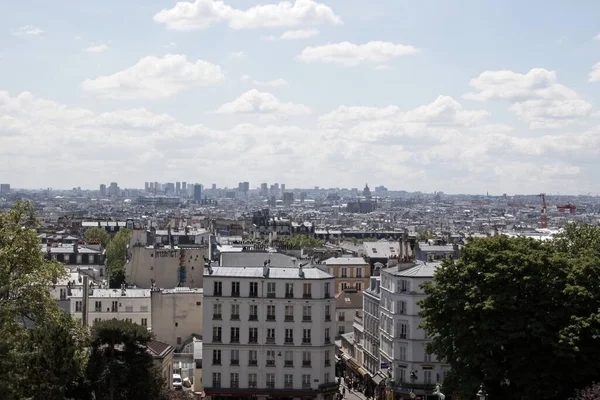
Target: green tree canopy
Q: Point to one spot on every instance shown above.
(521, 311)
(300, 242)
(116, 257)
(120, 367)
(97, 234)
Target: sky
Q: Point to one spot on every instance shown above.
(468, 96)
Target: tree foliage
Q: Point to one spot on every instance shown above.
(120, 366)
(589, 393)
(116, 256)
(299, 242)
(518, 311)
(97, 234)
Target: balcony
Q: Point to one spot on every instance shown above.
(217, 362)
(288, 363)
(234, 384)
(306, 341)
(289, 340)
(253, 294)
(270, 318)
(327, 363)
(270, 385)
(235, 293)
(327, 339)
(217, 293)
(234, 362)
(288, 385)
(271, 295)
(306, 318)
(253, 317)
(252, 385)
(253, 340)
(216, 384)
(235, 339)
(270, 340)
(289, 318)
(252, 363)
(344, 275)
(307, 295)
(305, 385)
(235, 317)
(217, 316)
(327, 295)
(289, 295)
(217, 339)
(306, 363)
(328, 318)
(270, 363)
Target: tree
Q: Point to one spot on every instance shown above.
(590, 393)
(120, 366)
(25, 300)
(300, 242)
(518, 311)
(116, 256)
(97, 234)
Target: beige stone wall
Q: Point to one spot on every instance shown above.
(176, 315)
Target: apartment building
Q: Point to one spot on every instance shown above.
(371, 298)
(123, 304)
(269, 332)
(402, 341)
(349, 272)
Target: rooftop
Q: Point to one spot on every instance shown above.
(110, 293)
(346, 261)
(274, 273)
(349, 299)
(246, 259)
(418, 270)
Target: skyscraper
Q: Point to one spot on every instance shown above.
(177, 187)
(147, 186)
(198, 193)
(184, 187)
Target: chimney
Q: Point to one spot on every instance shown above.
(300, 271)
(76, 247)
(266, 271)
(123, 290)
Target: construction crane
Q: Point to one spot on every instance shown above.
(564, 207)
(544, 212)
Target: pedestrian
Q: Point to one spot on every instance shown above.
(343, 392)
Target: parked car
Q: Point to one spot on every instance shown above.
(177, 382)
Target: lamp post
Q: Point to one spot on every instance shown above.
(481, 394)
(413, 378)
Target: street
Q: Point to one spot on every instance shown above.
(351, 395)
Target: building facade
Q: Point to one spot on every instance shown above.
(371, 298)
(177, 315)
(269, 332)
(402, 341)
(349, 273)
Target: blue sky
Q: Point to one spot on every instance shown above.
(460, 96)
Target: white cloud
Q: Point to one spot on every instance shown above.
(200, 14)
(237, 55)
(299, 34)
(597, 37)
(537, 98)
(350, 55)
(383, 67)
(595, 73)
(27, 30)
(96, 48)
(273, 83)
(154, 78)
(256, 102)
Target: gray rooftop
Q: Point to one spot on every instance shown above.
(274, 273)
(346, 261)
(109, 293)
(247, 259)
(419, 270)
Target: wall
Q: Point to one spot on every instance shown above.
(177, 314)
(163, 264)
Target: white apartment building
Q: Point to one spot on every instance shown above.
(402, 341)
(123, 304)
(371, 298)
(269, 331)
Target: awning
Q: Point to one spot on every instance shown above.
(378, 378)
(362, 371)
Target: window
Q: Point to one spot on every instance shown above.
(344, 272)
(427, 377)
(306, 313)
(306, 336)
(235, 289)
(400, 307)
(359, 272)
(344, 285)
(252, 358)
(358, 285)
(218, 289)
(327, 336)
(253, 289)
(305, 381)
(178, 340)
(235, 311)
(306, 359)
(270, 313)
(341, 329)
(327, 359)
(252, 380)
(270, 358)
(327, 313)
(114, 307)
(327, 377)
(253, 313)
(144, 321)
(216, 357)
(78, 306)
(404, 286)
(98, 306)
(402, 356)
(289, 313)
(234, 358)
(427, 357)
(217, 311)
(234, 380)
(307, 291)
(253, 335)
(217, 334)
(289, 359)
(270, 381)
(327, 294)
(289, 336)
(402, 330)
(341, 316)
(288, 381)
(271, 335)
(271, 289)
(216, 379)
(235, 335)
(289, 290)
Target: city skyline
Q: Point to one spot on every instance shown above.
(461, 97)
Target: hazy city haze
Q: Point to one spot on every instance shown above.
(459, 96)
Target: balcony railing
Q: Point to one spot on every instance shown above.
(270, 385)
(234, 384)
(327, 363)
(327, 318)
(253, 317)
(288, 385)
(270, 363)
(253, 340)
(306, 341)
(289, 340)
(253, 363)
(288, 363)
(253, 294)
(307, 295)
(327, 339)
(306, 363)
(235, 339)
(217, 316)
(270, 318)
(270, 340)
(216, 384)
(235, 317)
(289, 318)
(217, 339)
(234, 362)
(271, 295)
(306, 318)
(327, 295)
(235, 293)
(289, 295)
(218, 293)
(252, 384)
(217, 362)
(305, 385)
